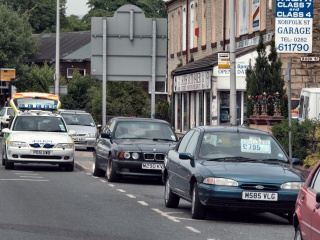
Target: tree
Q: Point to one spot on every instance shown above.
(40, 14)
(16, 40)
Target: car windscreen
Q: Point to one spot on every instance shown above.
(10, 112)
(145, 130)
(218, 145)
(78, 119)
(39, 123)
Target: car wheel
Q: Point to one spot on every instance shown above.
(69, 167)
(297, 235)
(3, 157)
(290, 218)
(112, 176)
(198, 211)
(171, 200)
(1, 127)
(97, 171)
(8, 165)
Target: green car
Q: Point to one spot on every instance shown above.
(231, 168)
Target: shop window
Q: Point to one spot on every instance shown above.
(71, 70)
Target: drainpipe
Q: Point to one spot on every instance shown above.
(187, 33)
(224, 25)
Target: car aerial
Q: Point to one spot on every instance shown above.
(84, 126)
(6, 113)
(36, 136)
(306, 220)
(231, 168)
(130, 146)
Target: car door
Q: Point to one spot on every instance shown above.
(102, 149)
(185, 169)
(315, 214)
(174, 162)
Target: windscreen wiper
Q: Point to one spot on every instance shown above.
(236, 158)
(273, 160)
(162, 139)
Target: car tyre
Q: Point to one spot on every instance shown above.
(198, 211)
(9, 165)
(290, 218)
(112, 176)
(297, 235)
(97, 171)
(171, 200)
(69, 167)
(3, 157)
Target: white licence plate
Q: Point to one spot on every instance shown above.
(154, 166)
(41, 152)
(266, 196)
(79, 139)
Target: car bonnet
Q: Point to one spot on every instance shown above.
(40, 137)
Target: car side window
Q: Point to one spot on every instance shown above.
(184, 141)
(315, 183)
(2, 112)
(191, 147)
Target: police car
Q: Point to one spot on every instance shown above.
(37, 136)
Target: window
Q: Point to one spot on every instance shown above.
(184, 141)
(192, 145)
(71, 70)
(315, 183)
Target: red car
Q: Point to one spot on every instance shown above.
(306, 219)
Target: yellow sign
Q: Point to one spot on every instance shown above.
(223, 61)
(6, 74)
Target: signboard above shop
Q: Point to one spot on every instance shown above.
(294, 22)
(7, 74)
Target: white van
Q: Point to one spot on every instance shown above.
(309, 104)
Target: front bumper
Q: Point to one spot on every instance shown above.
(223, 197)
(135, 167)
(26, 155)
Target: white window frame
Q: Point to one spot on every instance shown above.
(70, 71)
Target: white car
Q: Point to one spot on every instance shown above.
(5, 114)
(37, 136)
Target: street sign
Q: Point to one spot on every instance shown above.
(6, 74)
(294, 22)
(223, 61)
(310, 59)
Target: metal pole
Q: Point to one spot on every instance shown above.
(289, 108)
(153, 80)
(104, 72)
(56, 89)
(232, 46)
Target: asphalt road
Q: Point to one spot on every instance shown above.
(43, 202)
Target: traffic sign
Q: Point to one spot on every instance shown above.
(223, 61)
(294, 22)
(6, 74)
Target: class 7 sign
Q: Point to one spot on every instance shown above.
(294, 20)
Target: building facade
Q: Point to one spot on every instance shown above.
(198, 84)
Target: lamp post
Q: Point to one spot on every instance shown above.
(56, 78)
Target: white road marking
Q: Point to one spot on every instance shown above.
(95, 177)
(192, 229)
(143, 203)
(24, 176)
(89, 174)
(101, 180)
(111, 185)
(131, 196)
(18, 172)
(166, 215)
(121, 190)
(31, 180)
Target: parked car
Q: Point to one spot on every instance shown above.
(36, 136)
(306, 220)
(84, 126)
(231, 168)
(6, 114)
(132, 147)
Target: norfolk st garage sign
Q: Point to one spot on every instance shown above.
(294, 19)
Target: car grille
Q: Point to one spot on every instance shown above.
(154, 157)
(40, 157)
(81, 134)
(259, 186)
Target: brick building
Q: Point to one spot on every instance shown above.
(197, 32)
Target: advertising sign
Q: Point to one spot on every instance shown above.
(223, 61)
(6, 74)
(244, 17)
(294, 20)
(255, 15)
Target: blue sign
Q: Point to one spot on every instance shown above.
(294, 9)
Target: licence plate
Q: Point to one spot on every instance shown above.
(154, 166)
(265, 196)
(79, 139)
(40, 152)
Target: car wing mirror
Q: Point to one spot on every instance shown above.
(71, 132)
(295, 161)
(106, 135)
(318, 198)
(187, 156)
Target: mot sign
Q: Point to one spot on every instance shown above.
(294, 21)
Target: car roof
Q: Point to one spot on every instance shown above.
(61, 111)
(231, 129)
(138, 119)
(38, 113)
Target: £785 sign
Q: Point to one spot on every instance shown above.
(294, 19)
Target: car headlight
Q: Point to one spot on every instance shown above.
(64, 145)
(292, 185)
(220, 182)
(128, 155)
(91, 135)
(17, 144)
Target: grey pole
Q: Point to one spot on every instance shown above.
(104, 72)
(232, 46)
(153, 80)
(56, 89)
(289, 107)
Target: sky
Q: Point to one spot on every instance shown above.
(77, 7)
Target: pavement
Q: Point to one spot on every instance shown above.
(84, 161)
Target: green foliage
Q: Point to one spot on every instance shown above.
(40, 14)
(311, 160)
(162, 110)
(303, 140)
(265, 77)
(16, 41)
(35, 79)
